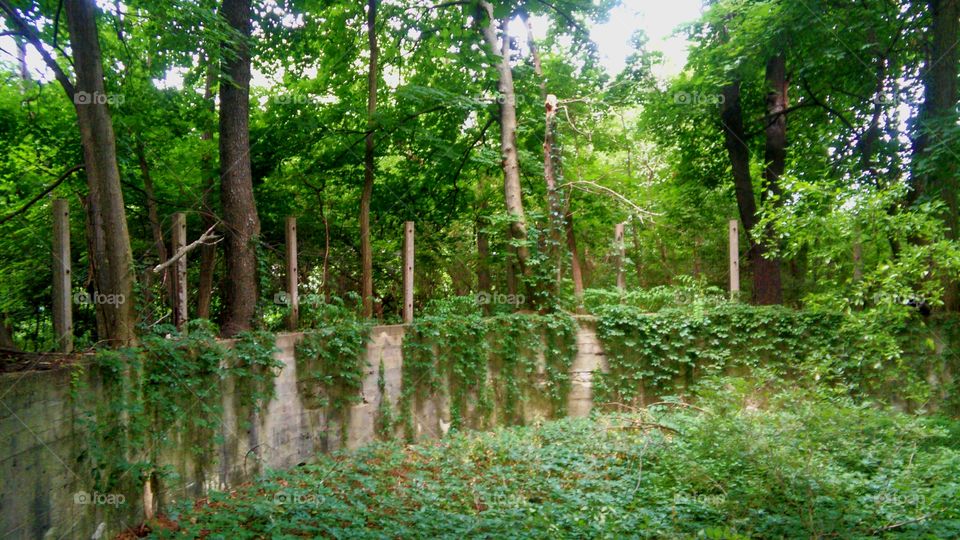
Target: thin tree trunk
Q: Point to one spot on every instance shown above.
(153, 216)
(484, 280)
(500, 48)
(240, 219)
(112, 253)
(208, 251)
(637, 255)
(366, 250)
(326, 254)
(575, 270)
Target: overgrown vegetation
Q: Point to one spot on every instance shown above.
(330, 358)
(492, 365)
(880, 353)
(742, 461)
(166, 391)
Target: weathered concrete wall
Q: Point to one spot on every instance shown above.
(42, 439)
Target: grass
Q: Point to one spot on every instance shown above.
(743, 463)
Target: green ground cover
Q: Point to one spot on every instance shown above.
(739, 460)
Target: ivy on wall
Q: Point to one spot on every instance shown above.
(331, 364)
(170, 384)
(488, 365)
(864, 353)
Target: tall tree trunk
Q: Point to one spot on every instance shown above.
(114, 273)
(240, 220)
(484, 280)
(938, 113)
(500, 48)
(208, 251)
(775, 163)
(366, 250)
(766, 282)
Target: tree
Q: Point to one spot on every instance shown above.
(935, 169)
(108, 238)
(499, 47)
(240, 220)
(366, 251)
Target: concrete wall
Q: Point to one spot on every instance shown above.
(41, 438)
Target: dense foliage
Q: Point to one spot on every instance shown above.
(491, 365)
(863, 213)
(744, 461)
(879, 354)
(164, 393)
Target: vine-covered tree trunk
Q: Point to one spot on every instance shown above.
(766, 279)
(935, 171)
(508, 136)
(112, 259)
(366, 250)
(240, 220)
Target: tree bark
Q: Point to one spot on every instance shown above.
(766, 282)
(775, 160)
(366, 250)
(500, 48)
(484, 281)
(112, 256)
(208, 252)
(240, 219)
(938, 113)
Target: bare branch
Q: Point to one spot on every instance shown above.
(208, 237)
(578, 184)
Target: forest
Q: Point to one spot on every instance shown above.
(762, 238)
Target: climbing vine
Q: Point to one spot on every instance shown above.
(170, 383)
(331, 363)
(662, 352)
(487, 365)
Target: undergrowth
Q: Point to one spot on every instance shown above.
(741, 461)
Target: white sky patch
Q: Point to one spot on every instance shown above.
(659, 20)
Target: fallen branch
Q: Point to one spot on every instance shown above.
(679, 404)
(206, 238)
(640, 211)
(904, 523)
(648, 425)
